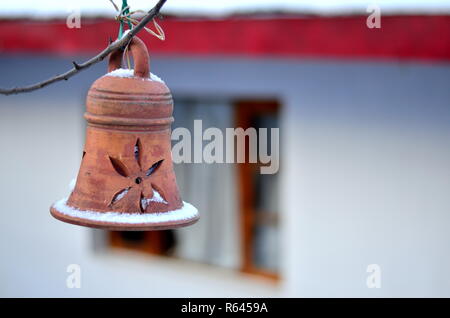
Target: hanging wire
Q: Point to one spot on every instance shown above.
(125, 16)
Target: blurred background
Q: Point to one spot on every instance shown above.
(364, 119)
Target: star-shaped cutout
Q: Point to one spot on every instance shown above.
(141, 191)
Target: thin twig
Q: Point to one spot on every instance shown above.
(116, 45)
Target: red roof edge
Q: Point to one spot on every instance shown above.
(421, 37)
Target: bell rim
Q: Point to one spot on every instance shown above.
(120, 226)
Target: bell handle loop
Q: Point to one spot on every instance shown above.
(140, 56)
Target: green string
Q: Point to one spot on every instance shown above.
(125, 12)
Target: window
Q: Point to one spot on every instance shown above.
(238, 205)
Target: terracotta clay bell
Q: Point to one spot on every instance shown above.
(126, 179)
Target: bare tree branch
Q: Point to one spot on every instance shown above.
(118, 44)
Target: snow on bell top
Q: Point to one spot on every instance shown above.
(130, 94)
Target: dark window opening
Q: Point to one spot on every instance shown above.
(153, 242)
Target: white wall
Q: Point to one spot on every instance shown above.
(369, 181)
(365, 179)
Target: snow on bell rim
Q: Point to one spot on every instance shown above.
(126, 179)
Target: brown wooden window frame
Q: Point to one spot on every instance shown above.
(246, 110)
